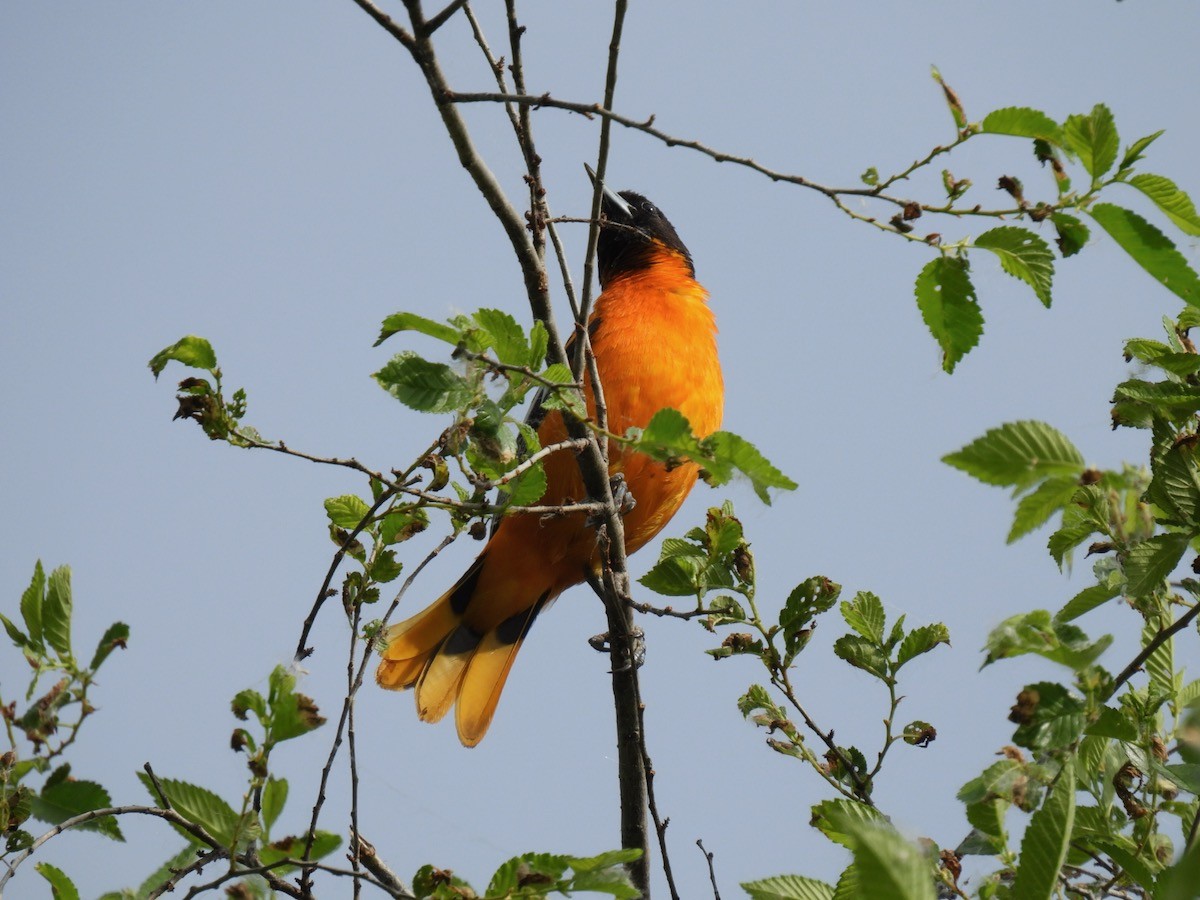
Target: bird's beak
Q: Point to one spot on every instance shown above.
(612, 204)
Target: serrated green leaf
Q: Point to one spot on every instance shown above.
(292, 847)
(539, 340)
(505, 336)
(386, 567)
(527, 488)
(788, 887)
(739, 453)
(116, 636)
(887, 865)
(1053, 639)
(1021, 121)
(61, 887)
(1150, 249)
(423, 385)
(293, 715)
(1135, 150)
(1052, 717)
(406, 321)
(1023, 255)
(997, 780)
(865, 615)
(1072, 233)
(31, 604)
(1047, 840)
(1018, 454)
(847, 885)
(246, 701)
(402, 524)
(1148, 563)
(1093, 138)
(921, 640)
(1175, 203)
(346, 511)
(946, 299)
(201, 806)
(65, 799)
(862, 654)
(274, 796)
(1088, 599)
(56, 611)
(1113, 723)
(835, 819)
(192, 351)
(1175, 486)
(1036, 507)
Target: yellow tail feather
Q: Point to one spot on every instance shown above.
(481, 686)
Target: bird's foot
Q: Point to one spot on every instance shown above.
(623, 499)
(603, 644)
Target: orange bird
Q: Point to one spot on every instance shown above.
(654, 339)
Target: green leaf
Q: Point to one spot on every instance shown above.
(1018, 454)
(406, 321)
(921, 640)
(293, 715)
(1086, 514)
(1176, 204)
(1088, 599)
(1072, 233)
(56, 611)
(1023, 255)
(423, 385)
(292, 847)
(1050, 717)
(15, 634)
(402, 524)
(1135, 150)
(946, 299)
(116, 636)
(1036, 507)
(539, 340)
(1175, 487)
(862, 654)
(996, 781)
(1150, 249)
(505, 336)
(202, 807)
(1172, 399)
(676, 576)
(865, 615)
(1055, 640)
(952, 101)
(61, 887)
(31, 604)
(386, 567)
(1148, 563)
(192, 351)
(887, 864)
(346, 511)
(1113, 723)
(1179, 882)
(788, 887)
(274, 796)
(1046, 841)
(68, 798)
(246, 701)
(847, 885)
(162, 874)
(1186, 775)
(725, 446)
(1021, 121)
(1093, 138)
(836, 818)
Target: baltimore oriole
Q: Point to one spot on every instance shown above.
(654, 338)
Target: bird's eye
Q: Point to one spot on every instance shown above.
(650, 208)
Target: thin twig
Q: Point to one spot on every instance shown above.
(712, 876)
(1157, 641)
(368, 856)
(437, 21)
(351, 749)
(660, 824)
(306, 882)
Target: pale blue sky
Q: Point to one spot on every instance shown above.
(273, 176)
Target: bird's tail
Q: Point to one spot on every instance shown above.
(449, 661)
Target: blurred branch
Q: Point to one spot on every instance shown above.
(1157, 641)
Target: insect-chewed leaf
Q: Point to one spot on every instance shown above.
(1023, 255)
(946, 299)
